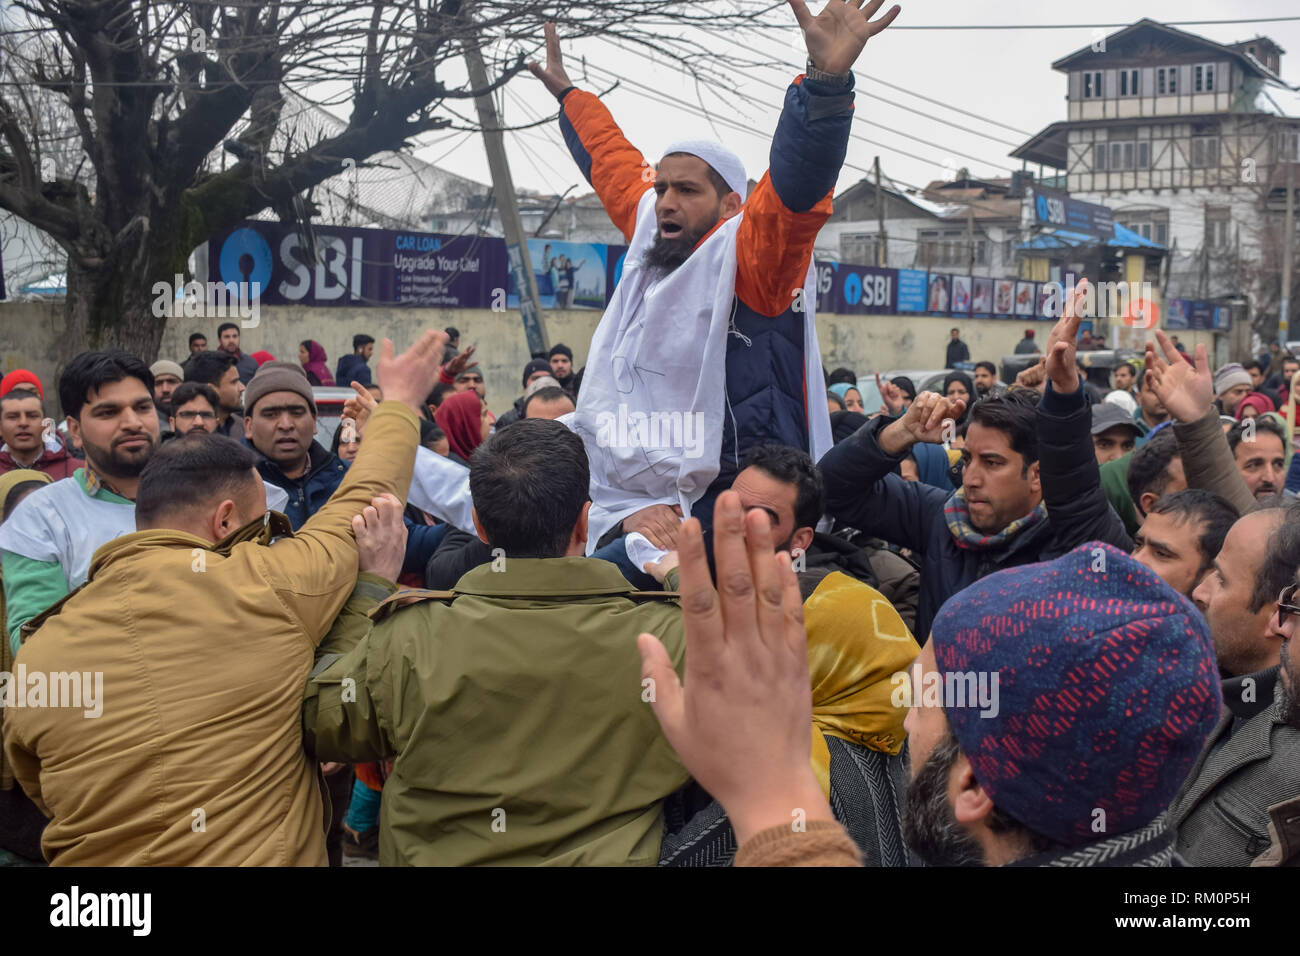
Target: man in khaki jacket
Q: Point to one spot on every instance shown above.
(513, 706)
(204, 635)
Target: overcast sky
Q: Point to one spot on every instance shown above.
(999, 75)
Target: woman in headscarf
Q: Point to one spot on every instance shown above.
(959, 385)
(463, 418)
(1254, 405)
(311, 355)
(849, 395)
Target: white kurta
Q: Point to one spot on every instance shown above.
(653, 397)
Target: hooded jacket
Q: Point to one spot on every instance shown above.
(310, 490)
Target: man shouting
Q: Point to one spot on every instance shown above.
(708, 346)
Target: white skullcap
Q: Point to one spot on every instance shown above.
(726, 163)
(1123, 399)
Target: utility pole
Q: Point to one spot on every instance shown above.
(521, 265)
(970, 238)
(882, 252)
(1288, 254)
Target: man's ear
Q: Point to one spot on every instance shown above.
(1145, 501)
(74, 431)
(801, 539)
(478, 527)
(1035, 482)
(731, 204)
(578, 540)
(224, 520)
(971, 803)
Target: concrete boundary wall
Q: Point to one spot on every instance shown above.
(30, 331)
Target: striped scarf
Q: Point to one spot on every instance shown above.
(1152, 845)
(957, 514)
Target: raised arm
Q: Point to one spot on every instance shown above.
(861, 489)
(1076, 502)
(1187, 391)
(793, 200)
(314, 570)
(615, 168)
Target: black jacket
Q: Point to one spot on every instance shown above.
(957, 352)
(458, 553)
(863, 492)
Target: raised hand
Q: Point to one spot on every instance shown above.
(891, 395)
(359, 407)
(1061, 367)
(460, 363)
(925, 421)
(741, 723)
(553, 75)
(409, 377)
(836, 36)
(1187, 391)
(658, 523)
(1035, 376)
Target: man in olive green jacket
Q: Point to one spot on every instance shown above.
(201, 633)
(513, 706)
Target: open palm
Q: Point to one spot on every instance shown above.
(1186, 390)
(835, 37)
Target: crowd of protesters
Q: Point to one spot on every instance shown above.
(1041, 622)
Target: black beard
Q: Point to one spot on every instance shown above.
(665, 254)
(109, 463)
(929, 828)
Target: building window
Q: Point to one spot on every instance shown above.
(1128, 82)
(1008, 252)
(1218, 229)
(1120, 155)
(1288, 145)
(1162, 233)
(1167, 80)
(859, 248)
(1091, 86)
(1203, 78)
(1153, 225)
(1205, 152)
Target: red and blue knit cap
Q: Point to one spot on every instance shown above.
(1107, 689)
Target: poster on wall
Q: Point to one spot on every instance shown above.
(912, 289)
(1024, 298)
(961, 295)
(1004, 297)
(570, 275)
(939, 296)
(981, 302)
(1044, 301)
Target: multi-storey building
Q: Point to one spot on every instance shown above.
(1189, 142)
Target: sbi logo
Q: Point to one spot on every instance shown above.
(246, 256)
(870, 290)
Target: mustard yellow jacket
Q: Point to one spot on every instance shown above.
(197, 757)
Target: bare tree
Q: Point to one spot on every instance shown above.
(153, 92)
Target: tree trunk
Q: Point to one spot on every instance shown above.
(112, 305)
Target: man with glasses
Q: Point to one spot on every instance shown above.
(1252, 759)
(280, 424)
(194, 409)
(1285, 815)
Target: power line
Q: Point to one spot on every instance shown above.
(1056, 26)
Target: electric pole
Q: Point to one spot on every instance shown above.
(521, 265)
(1288, 254)
(882, 253)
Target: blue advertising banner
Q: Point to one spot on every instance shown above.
(359, 266)
(912, 289)
(855, 290)
(1052, 207)
(570, 275)
(1197, 315)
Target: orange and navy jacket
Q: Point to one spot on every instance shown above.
(765, 372)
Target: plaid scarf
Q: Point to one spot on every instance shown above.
(957, 514)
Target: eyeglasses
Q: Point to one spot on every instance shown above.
(1285, 603)
(199, 416)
